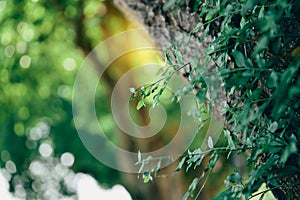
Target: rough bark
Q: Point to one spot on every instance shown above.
(166, 25)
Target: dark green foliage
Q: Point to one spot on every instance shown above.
(256, 50)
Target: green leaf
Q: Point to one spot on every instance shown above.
(248, 73)
(132, 90)
(262, 45)
(205, 33)
(273, 127)
(148, 159)
(186, 196)
(197, 28)
(141, 168)
(178, 56)
(272, 81)
(239, 58)
(158, 167)
(210, 142)
(147, 176)
(146, 179)
(242, 22)
(139, 156)
(294, 91)
(290, 149)
(194, 184)
(212, 161)
(199, 162)
(209, 16)
(169, 4)
(180, 164)
(261, 12)
(235, 178)
(229, 139)
(140, 105)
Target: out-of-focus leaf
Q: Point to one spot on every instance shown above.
(210, 142)
(239, 58)
(180, 164)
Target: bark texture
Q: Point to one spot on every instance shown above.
(164, 25)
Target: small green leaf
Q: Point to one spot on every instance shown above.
(199, 161)
(242, 22)
(273, 79)
(208, 17)
(132, 90)
(235, 178)
(262, 45)
(147, 176)
(194, 184)
(146, 179)
(158, 167)
(289, 150)
(178, 56)
(210, 142)
(186, 196)
(239, 58)
(261, 12)
(229, 139)
(148, 159)
(212, 161)
(248, 73)
(139, 156)
(197, 28)
(180, 164)
(140, 105)
(273, 127)
(169, 4)
(141, 168)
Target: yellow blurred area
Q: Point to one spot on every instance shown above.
(115, 23)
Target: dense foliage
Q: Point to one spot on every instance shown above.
(255, 47)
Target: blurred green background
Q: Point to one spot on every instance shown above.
(42, 45)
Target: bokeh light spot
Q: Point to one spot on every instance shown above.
(6, 38)
(69, 64)
(24, 113)
(35, 133)
(36, 168)
(63, 91)
(9, 51)
(21, 47)
(5, 155)
(10, 167)
(19, 128)
(45, 150)
(70, 12)
(44, 92)
(25, 61)
(67, 159)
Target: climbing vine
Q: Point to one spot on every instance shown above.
(256, 49)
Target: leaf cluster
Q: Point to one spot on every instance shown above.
(255, 48)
